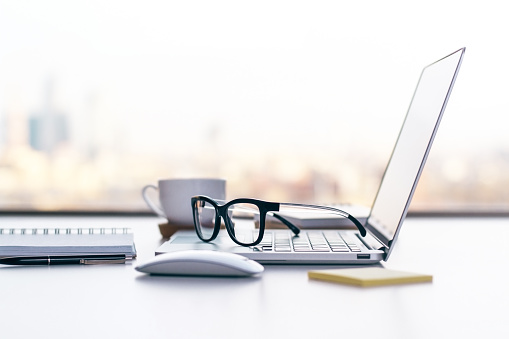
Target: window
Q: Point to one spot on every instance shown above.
(288, 101)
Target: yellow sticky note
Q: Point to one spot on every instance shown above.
(369, 276)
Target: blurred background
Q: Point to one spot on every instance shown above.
(295, 101)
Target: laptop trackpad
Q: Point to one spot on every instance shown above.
(191, 242)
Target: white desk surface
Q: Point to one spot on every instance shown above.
(467, 298)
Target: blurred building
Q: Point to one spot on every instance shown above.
(48, 128)
(47, 131)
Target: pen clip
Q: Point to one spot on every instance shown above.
(102, 261)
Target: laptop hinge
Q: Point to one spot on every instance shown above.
(373, 242)
(386, 249)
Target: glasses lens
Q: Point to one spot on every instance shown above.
(205, 216)
(240, 222)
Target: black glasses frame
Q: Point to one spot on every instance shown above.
(222, 212)
(264, 207)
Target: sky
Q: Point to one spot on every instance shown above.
(167, 76)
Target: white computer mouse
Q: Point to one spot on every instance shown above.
(201, 263)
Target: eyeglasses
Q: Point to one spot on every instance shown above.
(207, 214)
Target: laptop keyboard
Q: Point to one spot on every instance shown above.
(308, 242)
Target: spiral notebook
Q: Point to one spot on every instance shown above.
(65, 241)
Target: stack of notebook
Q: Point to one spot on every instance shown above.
(65, 241)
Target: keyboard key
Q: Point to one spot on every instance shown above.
(319, 249)
(303, 249)
(301, 246)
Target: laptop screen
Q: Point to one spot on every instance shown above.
(413, 145)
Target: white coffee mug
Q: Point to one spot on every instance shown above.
(175, 197)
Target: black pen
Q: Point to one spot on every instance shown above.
(66, 259)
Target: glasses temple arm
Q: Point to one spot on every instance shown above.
(291, 226)
(358, 224)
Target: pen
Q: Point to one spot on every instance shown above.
(67, 259)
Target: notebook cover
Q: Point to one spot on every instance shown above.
(369, 276)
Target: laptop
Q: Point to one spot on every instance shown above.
(389, 209)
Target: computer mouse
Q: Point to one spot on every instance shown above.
(201, 263)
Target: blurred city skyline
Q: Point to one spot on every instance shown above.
(286, 100)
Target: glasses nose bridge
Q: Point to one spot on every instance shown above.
(225, 212)
(221, 213)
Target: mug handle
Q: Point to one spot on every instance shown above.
(158, 210)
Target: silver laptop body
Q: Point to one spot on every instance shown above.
(390, 206)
